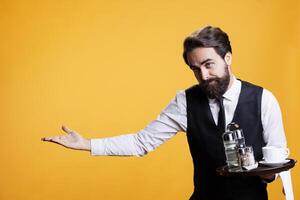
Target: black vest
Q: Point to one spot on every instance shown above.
(207, 150)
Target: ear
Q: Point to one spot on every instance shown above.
(228, 58)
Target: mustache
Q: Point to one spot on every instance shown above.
(208, 81)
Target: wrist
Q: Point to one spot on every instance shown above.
(87, 145)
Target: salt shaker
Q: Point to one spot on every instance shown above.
(246, 156)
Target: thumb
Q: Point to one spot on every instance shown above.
(66, 129)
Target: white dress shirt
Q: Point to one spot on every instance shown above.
(173, 119)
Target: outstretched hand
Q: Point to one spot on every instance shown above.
(71, 139)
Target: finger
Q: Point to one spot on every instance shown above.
(46, 138)
(52, 139)
(57, 140)
(66, 129)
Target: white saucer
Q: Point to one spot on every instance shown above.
(274, 163)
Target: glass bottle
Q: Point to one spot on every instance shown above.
(230, 146)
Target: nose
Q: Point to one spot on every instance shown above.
(204, 73)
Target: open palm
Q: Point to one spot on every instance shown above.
(71, 140)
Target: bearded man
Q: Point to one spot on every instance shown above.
(203, 111)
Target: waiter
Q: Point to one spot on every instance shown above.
(203, 111)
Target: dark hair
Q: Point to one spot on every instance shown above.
(207, 37)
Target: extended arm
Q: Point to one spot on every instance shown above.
(170, 121)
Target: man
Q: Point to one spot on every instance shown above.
(203, 111)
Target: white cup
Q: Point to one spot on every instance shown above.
(273, 154)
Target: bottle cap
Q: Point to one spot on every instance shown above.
(229, 136)
(232, 126)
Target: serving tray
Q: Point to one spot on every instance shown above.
(262, 169)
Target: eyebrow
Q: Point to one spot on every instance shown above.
(203, 62)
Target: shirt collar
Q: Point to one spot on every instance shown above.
(234, 90)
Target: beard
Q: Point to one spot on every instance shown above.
(214, 88)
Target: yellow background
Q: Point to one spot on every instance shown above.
(105, 68)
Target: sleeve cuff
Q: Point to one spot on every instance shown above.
(97, 147)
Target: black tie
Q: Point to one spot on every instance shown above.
(221, 117)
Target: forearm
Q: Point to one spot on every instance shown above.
(136, 144)
(170, 121)
(123, 145)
